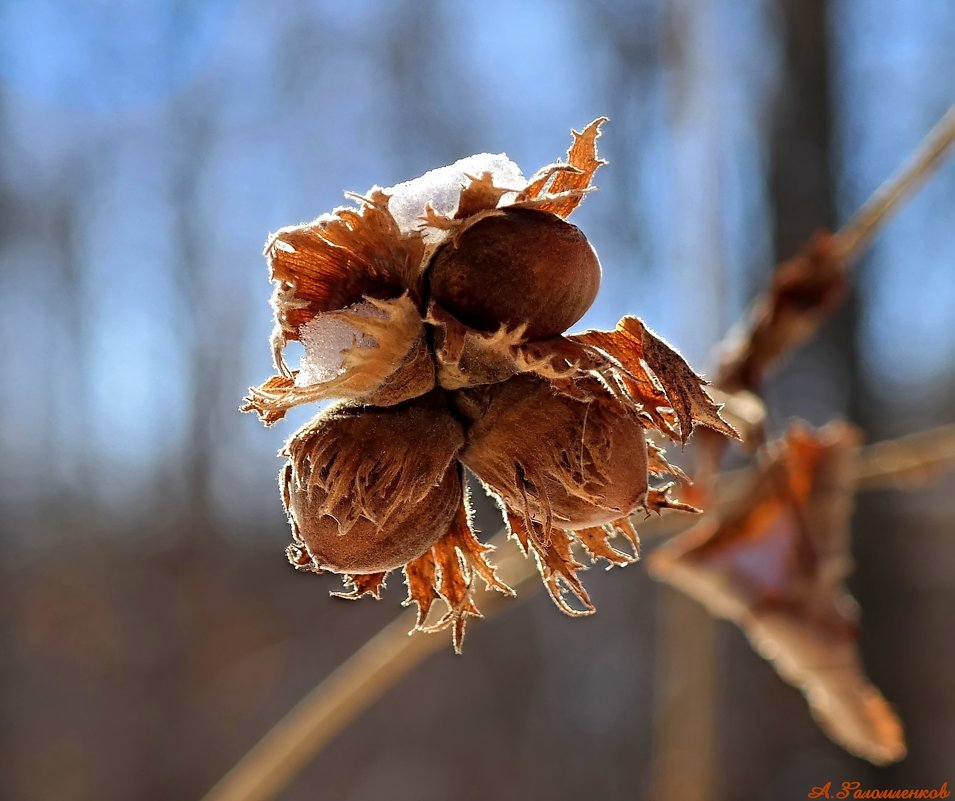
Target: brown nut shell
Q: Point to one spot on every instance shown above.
(368, 490)
(519, 267)
(561, 462)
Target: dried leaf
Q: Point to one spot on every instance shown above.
(473, 550)
(597, 541)
(448, 572)
(654, 377)
(478, 199)
(804, 291)
(439, 222)
(421, 578)
(260, 399)
(480, 195)
(357, 586)
(559, 188)
(555, 562)
(775, 565)
(548, 202)
(625, 527)
(454, 585)
(541, 181)
(469, 358)
(658, 499)
(659, 466)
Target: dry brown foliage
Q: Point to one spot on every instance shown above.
(443, 341)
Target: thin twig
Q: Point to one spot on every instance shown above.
(807, 288)
(357, 683)
(855, 235)
(907, 462)
(388, 656)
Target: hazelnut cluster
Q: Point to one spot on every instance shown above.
(434, 314)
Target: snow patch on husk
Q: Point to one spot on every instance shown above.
(442, 187)
(325, 339)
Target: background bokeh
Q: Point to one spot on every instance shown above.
(151, 628)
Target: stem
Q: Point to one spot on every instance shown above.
(338, 699)
(855, 235)
(908, 462)
(355, 685)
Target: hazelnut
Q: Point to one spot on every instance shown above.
(518, 267)
(368, 490)
(564, 462)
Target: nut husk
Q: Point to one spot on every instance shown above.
(556, 460)
(519, 267)
(387, 361)
(368, 490)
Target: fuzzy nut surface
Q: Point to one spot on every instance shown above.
(576, 464)
(368, 490)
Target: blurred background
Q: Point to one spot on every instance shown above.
(151, 627)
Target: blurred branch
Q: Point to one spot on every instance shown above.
(391, 654)
(358, 682)
(806, 288)
(855, 235)
(908, 462)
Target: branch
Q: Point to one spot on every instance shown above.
(337, 700)
(806, 288)
(909, 462)
(856, 234)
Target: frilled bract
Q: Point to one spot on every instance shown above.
(434, 313)
(775, 563)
